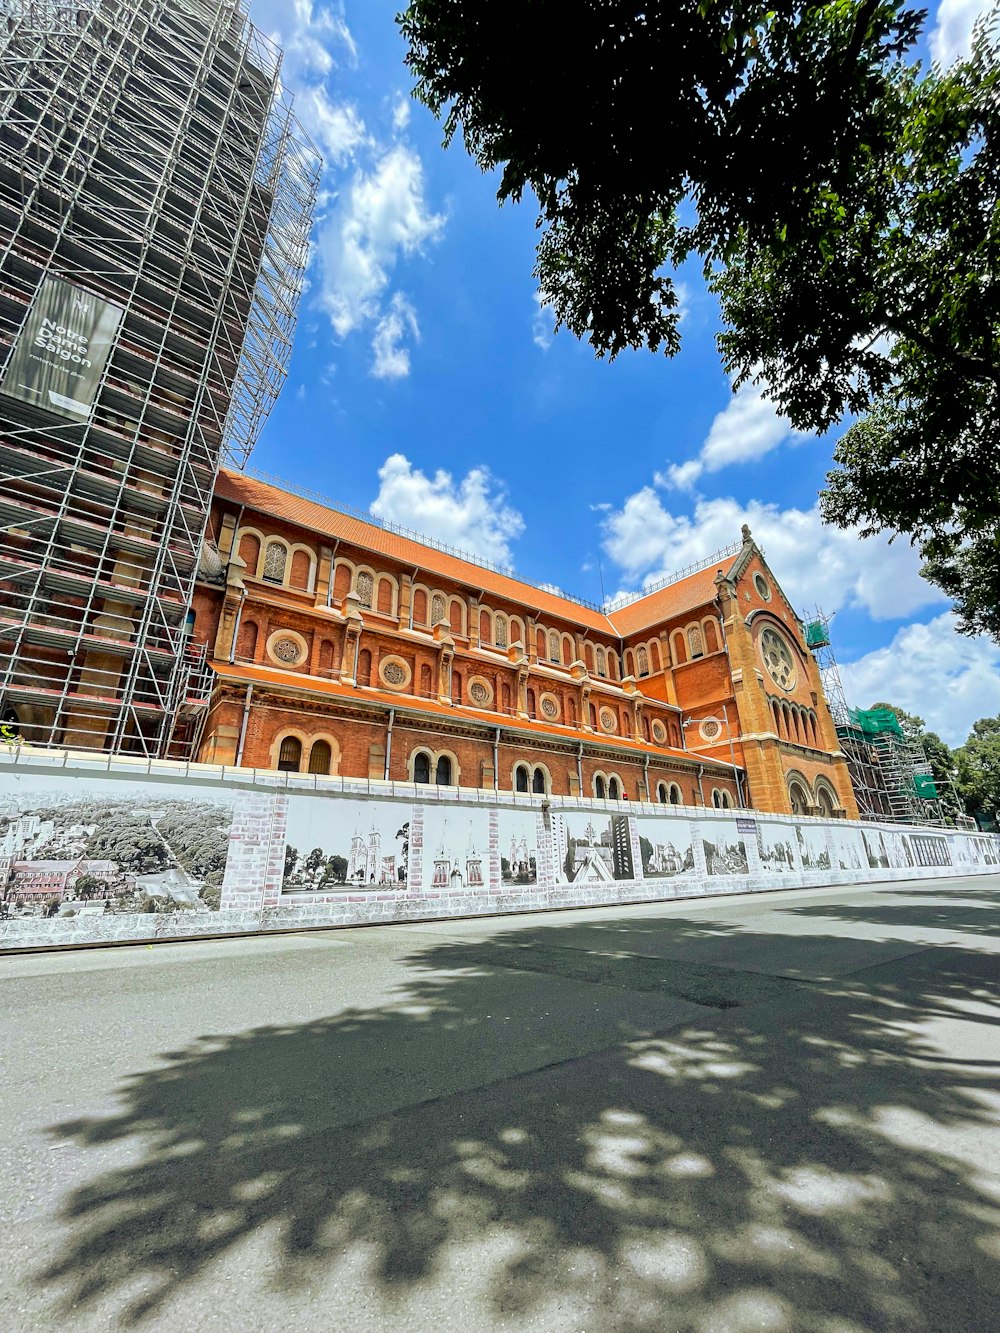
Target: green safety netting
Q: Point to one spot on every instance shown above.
(923, 785)
(817, 634)
(873, 721)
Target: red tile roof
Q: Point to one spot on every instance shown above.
(654, 608)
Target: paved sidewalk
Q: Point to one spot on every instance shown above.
(774, 1113)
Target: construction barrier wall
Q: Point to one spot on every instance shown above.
(106, 849)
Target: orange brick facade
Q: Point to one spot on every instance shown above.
(340, 647)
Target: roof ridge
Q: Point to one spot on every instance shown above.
(411, 534)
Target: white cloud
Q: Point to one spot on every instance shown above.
(551, 587)
(947, 679)
(337, 129)
(542, 325)
(747, 428)
(392, 359)
(472, 514)
(815, 564)
(951, 38)
(401, 114)
(382, 217)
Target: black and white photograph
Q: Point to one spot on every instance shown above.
(875, 849)
(666, 848)
(776, 847)
(813, 849)
(69, 848)
(518, 832)
(725, 850)
(849, 848)
(456, 848)
(334, 845)
(592, 848)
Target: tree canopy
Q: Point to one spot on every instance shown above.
(844, 203)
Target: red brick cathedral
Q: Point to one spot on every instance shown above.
(343, 648)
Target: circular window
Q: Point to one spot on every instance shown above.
(762, 586)
(480, 691)
(659, 732)
(394, 672)
(287, 648)
(609, 720)
(549, 705)
(710, 729)
(778, 659)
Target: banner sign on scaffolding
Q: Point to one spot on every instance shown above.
(60, 355)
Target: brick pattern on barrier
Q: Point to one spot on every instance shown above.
(248, 862)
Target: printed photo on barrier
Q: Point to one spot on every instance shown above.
(456, 848)
(849, 848)
(335, 845)
(775, 846)
(725, 850)
(518, 847)
(875, 849)
(72, 847)
(813, 849)
(592, 848)
(666, 847)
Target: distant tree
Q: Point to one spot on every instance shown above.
(88, 886)
(979, 772)
(335, 869)
(291, 859)
(314, 863)
(133, 845)
(211, 896)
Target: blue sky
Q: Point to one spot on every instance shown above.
(427, 387)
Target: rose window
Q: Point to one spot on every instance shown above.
(479, 693)
(778, 659)
(608, 720)
(286, 650)
(394, 673)
(549, 707)
(659, 732)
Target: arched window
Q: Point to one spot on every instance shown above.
(274, 563)
(246, 642)
(716, 797)
(439, 608)
(599, 786)
(426, 686)
(443, 772)
(421, 766)
(319, 757)
(554, 654)
(800, 798)
(500, 631)
(602, 662)
(365, 589)
(825, 801)
(538, 782)
(675, 794)
(642, 661)
(727, 801)
(695, 642)
(385, 591)
(456, 687)
(520, 778)
(419, 607)
(531, 703)
(614, 791)
(364, 667)
(505, 697)
(290, 755)
(661, 792)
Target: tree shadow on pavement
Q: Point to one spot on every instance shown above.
(805, 1160)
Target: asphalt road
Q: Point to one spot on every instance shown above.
(779, 1113)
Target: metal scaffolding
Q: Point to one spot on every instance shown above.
(148, 158)
(891, 777)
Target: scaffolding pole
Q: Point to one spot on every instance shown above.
(149, 158)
